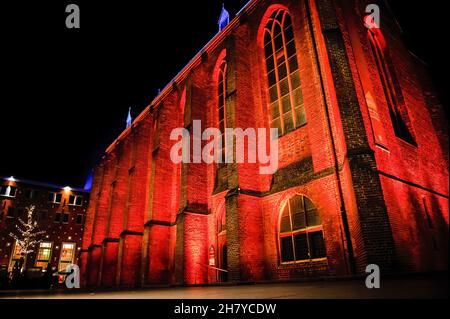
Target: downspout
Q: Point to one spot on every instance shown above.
(351, 266)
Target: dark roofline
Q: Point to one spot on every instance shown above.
(42, 184)
(210, 46)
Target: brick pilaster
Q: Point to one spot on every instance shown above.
(375, 230)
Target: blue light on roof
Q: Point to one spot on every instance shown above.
(88, 185)
(129, 119)
(224, 18)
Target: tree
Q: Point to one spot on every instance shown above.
(28, 235)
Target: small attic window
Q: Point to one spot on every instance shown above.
(224, 18)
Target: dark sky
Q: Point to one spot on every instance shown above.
(65, 93)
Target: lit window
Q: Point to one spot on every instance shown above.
(43, 255)
(222, 96)
(75, 200)
(8, 191)
(54, 197)
(15, 256)
(67, 256)
(301, 234)
(284, 95)
(391, 86)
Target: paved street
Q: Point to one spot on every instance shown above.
(405, 287)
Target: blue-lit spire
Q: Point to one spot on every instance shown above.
(224, 18)
(129, 119)
(88, 185)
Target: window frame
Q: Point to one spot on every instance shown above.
(296, 114)
(11, 212)
(58, 220)
(13, 258)
(55, 195)
(222, 85)
(74, 251)
(82, 219)
(76, 197)
(64, 215)
(37, 260)
(308, 230)
(391, 88)
(7, 192)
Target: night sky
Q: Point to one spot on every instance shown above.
(65, 93)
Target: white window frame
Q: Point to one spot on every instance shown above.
(54, 198)
(75, 201)
(8, 191)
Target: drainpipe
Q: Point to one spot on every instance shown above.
(351, 266)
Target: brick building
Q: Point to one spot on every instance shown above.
(363, 159)
(59, 211)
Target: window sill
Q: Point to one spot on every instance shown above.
(412, 144)
(305, 261)
(290, 132)
(382, 147)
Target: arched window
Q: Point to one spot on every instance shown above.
(390, 85)
(285, 96)
(222, 96)
(301, 234)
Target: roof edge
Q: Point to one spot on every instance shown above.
(182, 75)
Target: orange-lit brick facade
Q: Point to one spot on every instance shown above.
(382, 197)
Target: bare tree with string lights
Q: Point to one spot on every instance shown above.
(29, 235)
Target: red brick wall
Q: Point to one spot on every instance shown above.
(178, 205)
(409, 174)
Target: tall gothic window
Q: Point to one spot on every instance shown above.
(285, 96)
(391, 86)
(301, 234)
(222, 96)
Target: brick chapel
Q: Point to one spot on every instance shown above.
(363, 159)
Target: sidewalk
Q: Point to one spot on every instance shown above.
(402, 287)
